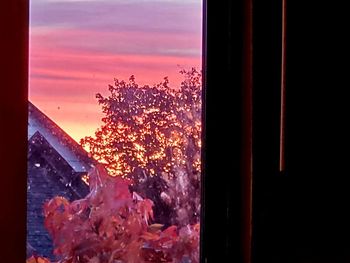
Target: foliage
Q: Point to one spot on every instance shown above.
(154, 188)
(37, 259)
(113, 225)
(154, 131)
(150, 141)
(152, 128)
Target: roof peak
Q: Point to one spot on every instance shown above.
(63, 143)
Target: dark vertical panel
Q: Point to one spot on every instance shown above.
(223, 122)
(268, 190)
(215, 248)
(283, 85)
(13, 115)
(301, 215)
(247, 133)
(317, 135)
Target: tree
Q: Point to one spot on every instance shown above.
(154, 132)
(113, 225)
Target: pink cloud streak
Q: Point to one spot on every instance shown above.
(69, 66)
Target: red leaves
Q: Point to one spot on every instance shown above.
(35, 259)
(144, 207)
(109, 225)
(175, 245)
(170, 232)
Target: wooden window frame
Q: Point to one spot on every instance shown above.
(231, 76)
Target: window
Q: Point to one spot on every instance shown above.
(115, 130)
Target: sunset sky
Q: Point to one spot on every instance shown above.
(78, 47)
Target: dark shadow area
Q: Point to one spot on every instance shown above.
(13, 123)
(223, 132)
(301, 215)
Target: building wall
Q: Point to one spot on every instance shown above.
(48, 176)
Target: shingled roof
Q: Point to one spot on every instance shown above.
(56, 165)
(68, 148)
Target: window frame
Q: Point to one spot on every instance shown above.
(230, 211)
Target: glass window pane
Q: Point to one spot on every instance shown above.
(114, 131)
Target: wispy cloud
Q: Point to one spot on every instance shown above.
(143, 16)
(120, 42)
(77, 48)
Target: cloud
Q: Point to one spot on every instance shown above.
(140, 16)
(121, 42)
(61, 68)
(78, 47)
(183, 2)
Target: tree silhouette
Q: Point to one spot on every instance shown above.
(154, 132)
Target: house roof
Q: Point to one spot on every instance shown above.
(68, 148)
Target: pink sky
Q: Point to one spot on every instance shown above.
(78, 47)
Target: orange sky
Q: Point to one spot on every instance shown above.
(78, 47)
